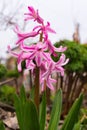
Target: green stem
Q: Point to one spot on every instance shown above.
(41, 37)
(37, 84)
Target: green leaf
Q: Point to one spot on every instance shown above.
(43, 112)
(77, 126)
(30, 118)
(56, 111)
(2, 126)
(19, 111)
(31, 93)
(26, 112)
(23, 95)
(72, 117)
(19, 103)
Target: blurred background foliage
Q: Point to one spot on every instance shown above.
(3, 71)
(77, 54)
(6, 94)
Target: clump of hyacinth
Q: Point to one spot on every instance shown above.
(39, 55)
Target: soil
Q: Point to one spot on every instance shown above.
(8, 116)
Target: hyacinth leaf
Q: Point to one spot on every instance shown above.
(19, 108)
(31, 121)
(2, 126)
(43, 112)
(56, 111)
(72, 116)
(26, 112)
(77, 126)
(31, 93)
(23, 95)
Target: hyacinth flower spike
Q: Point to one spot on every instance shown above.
(36, 54)
(33, 14)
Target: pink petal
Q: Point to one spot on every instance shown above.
(61, 60)
(34, 15)
(49, 29)
(32, 55)
(19, 66)
(46, 56)
(27, 48)
(12, 53)
(38, 59)
(49, 85)
(66, 61)
(39, 26)
(31, 9)
(60, 70)
(52, 80)
(28, 18)
(30, 65)
(43, 67)
(23, 36)
(60, 49)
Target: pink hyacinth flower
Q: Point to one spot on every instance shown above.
(52, 49)
(12, 53)
(23, 36)
(54, 67)
(46, 76)
(59, 64)
(49, 83)
(37, 52)
(33, 14)
(23, 56)
(45, 29)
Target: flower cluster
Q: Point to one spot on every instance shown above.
(39, 54)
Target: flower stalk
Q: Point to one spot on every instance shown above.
(37, 86)
(37, 82)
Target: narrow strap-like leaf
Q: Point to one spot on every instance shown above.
(31, 120)
(43, 112)
(26, 114)
(56, 111)
(22, 95)
(31, 93)
(77, 126)
(19, 108)
(73, 115)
